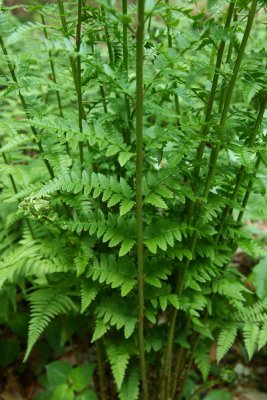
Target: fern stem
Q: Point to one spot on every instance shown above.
(228, 59)
(187, 370)
(104, 101)
(241, 173)
(25, 107)
(54, 79)
(62, 17)
(215, 151)
(248, 191)
(53, 71)
(178, 367)
(139, 194)
(176, 98)
(78, 79)
(125, 35)
(71, 59)
(250, 183)
(213, 159)
(101, 371)
(127, 135)
(208, 112)
(107, 35)
(66, 33)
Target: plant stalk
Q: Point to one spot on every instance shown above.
(107, 35)
(25, 107)
(101, 371)
(139, 194)
(78, 79)
(208, 113)
(53, 72)
(54, 79)
(248, 191)
(176, 98)
(125, 35)
(125, 53)
(242, 170)
(213, 159)
(71, 59)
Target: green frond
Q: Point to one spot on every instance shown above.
(130, 386)
(202, 360)
(226, 339)
(251, 335)
(88, 294)
(45, 305)
(262, 340)
(119, 358)
(117, 313)
(113, 272)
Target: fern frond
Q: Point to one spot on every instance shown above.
(251, 334)
(130, 386)
(119, 358)
(202, 360)
(226, 339)
(45, 305)
(262, 340)
(114, 272)
(117, 313)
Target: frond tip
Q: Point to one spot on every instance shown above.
(46, 304)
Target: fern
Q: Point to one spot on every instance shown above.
(130, 387)
(250, 332)
(94, 145)
(202, 360)
(46, 304)
(119, 358)
(226, 339)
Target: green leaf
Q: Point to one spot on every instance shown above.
(174, 301)
(126, 246)
(164, 192)
(226, 339)
(63, 392)
(155, 200)
(130, 386)
(88, 395)
(202, 360)
(218, 394)
(113, 149)
(251, 333)
(124, 156)
(127, 286)
(126, 205)
(262, 336)
(115, 199)
(161, 242)
(118, 366)
(81, 376)
(100, 329)
(88, 294)
(115, 240)
(58, 372)
(129, 328)
(151, 244)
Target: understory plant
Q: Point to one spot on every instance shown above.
(132, 135)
